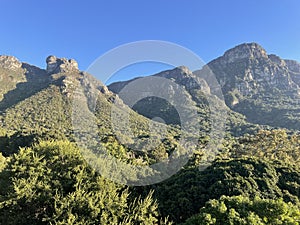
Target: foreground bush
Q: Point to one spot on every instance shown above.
(242, 210)
(50, 183)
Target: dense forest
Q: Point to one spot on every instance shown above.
(253, 182)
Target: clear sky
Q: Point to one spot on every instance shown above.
(84, 30)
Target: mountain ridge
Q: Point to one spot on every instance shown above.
(249, 77)
(56, 180)
(250, 80)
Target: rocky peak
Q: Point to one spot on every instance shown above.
(10, 62)
(182, 75)
(178, 73)
(247, 50)
(184, 70)
(61, 65)
(248, 70)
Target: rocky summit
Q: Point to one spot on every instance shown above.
(244, 51)
(60, 65)
(9, 62)
(181, 75)
(261, 86)
(249, 70)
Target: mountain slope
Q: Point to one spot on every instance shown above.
(58, 182)
(264, 88)
(42, 106)
(258, 88)
(197, 89)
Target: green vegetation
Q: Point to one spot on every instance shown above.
(242, 210)
(185, 193)
(46, 179)
(2, 161)
(280, 111)
(51, 183)
(269, 145)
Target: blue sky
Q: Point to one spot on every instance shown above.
(84, 30)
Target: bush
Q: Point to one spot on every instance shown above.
(51, 183)
(243, 210)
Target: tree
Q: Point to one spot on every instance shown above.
(51, 183)
(270, 145)
(243, 210)
(185, 193)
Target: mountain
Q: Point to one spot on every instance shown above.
(248, 69)
(61, 102)
(33, 104)
(264, 88)
(260, 91)
(196, 87)
(258, 88)
(102, 155)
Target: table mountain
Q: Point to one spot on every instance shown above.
(262, 87)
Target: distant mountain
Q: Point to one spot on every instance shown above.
(203, 99)
(260, 91)
(264, 88)
(249, 70)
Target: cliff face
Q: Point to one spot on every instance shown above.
(261, 86)
(248, 70)
(294, 68)
(19, 80)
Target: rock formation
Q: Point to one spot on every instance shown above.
(61, 65)
(248, 69)
(10, 62)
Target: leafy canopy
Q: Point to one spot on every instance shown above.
(50, 183)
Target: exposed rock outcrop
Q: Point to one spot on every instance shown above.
(10, 62)
(180, 75)
(61, 65)
(294, 68)
(277, 60)
(248, 70)
(244, 51)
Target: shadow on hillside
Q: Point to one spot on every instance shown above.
(11, 144)
(36, 80)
